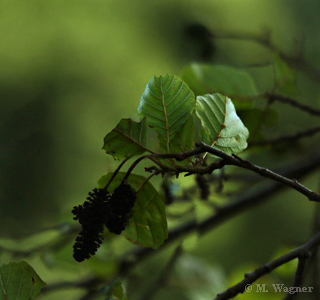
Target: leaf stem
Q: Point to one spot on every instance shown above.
(115, 173)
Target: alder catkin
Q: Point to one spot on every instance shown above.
(101, 209)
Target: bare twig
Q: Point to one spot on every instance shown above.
(296, 61)
(229, 160)
(288, 138)
(235, 160)
(293, 102)
(134, 257)
(298, 279)
(302, 253)
(298, 170)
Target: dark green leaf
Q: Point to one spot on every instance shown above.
(183, 140)
(148, 224)
(221, 127)
(19, 281)
(127, 139)
(167, 103)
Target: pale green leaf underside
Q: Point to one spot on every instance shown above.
(221, 126)
(148, 224)
(167, 103)
(19, 281)
(127, 139)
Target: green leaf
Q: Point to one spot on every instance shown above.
(115, 291)
(285, 76)
(221, 127)
(148, 224)
(167, 103)
(230, 81)
(19, 281)
(183, 141)
(127, 139)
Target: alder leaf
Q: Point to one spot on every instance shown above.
(221, 126)
(166, 103)
(183, 140)
(19, 281)
(127, 139)
(148, 224)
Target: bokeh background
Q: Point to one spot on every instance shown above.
(70, 70)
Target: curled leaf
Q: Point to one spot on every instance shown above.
(221, 126)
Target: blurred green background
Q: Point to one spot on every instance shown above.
(70, 70)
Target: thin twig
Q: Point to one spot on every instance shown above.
(298, 279)
(226, 160)
(298, 170)
(133, 257)
(288, 138)
(298, 62)
(293, 102)
(235, 160)
(301, 253)
(115, 173)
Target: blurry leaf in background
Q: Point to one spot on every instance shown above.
(127, 139)
(19, 281)
(230, 81)
(221, 127)
(285, 77)
(148, 224)
(197, 278)
(115, 291)
(258, 121)
(167, 103)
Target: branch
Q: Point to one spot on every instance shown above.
(293, 102)
(303, 253)
(237, 161)
(133, 257)
(298, 279)
(231, 160)
(288, 138)
(298, 170)
(296, 61)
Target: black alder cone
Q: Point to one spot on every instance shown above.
(119, 208)
(101, 209)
